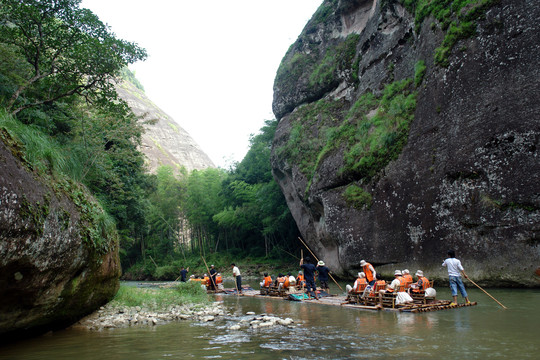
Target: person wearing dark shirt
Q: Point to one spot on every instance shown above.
(183, 274)
(213, 273)
(323, 274)
(309, 275)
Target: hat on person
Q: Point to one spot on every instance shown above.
(320, 263)
(406, 271)
(419, 273)
(363, 263)
(361, 274)
(192, 276)
(397, 272)
(212, 265)
(300, 272)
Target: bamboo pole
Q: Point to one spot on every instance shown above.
(318, 260)
(497, 301)
(207, 269)
(302, 259)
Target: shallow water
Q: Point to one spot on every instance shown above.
(322, 332)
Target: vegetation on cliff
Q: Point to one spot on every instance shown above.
(456, 18)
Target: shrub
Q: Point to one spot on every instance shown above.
(357, 197)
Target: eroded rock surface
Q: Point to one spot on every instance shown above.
(461, 172)
(54, 267)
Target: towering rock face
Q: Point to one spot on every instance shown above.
(407, 132)
(58, 258)
(164, 142)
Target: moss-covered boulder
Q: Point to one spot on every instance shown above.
(58, 251)
(407, 128)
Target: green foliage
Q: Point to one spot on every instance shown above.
(155, 299)
(69, 52)
(290, 71)
(129, 75)
(457, 17)
(456, 32)
(370, 133)
(380, 138)
(323, 13)
(310, 122)
(336, 59)
(49, 159)
(357, 197)
(419, 72)
(59, 82)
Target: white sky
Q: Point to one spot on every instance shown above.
(211, 63)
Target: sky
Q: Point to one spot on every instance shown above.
(211, 64)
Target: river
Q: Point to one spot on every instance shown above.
(322, 332)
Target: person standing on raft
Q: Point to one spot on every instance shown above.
(323, 274)
(369, 270)
(183, 274)
(309, 276)
(455, 269)
(237, 277)
(213, 273)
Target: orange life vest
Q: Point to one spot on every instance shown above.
(286, 284)
(205, 281)
(408, 280)
(368, 272)
(361, 284)
(219, 279)
(379, 285)
(402, 283)
(299, 279)
(267, 281)
(425, 284)
(281, 279)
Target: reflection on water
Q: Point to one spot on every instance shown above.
(322, 332)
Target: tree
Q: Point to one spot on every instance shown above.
(69, 50)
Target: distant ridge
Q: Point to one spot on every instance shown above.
(164, 141)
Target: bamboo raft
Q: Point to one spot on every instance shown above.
(419, 304)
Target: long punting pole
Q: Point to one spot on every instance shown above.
(307, 247)
(478, 286)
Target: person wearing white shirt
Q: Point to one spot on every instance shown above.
(292, 280)
(455, 269)
(238, 278)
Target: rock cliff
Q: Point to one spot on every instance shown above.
(58, 258)
(410, 128)
(164, 142)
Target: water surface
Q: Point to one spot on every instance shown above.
(323, 332)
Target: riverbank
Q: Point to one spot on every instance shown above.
(118, 316)
(147, 307)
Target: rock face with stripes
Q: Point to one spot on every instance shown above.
(164, 141)
(403, 134)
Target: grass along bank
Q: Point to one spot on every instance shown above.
(134, 306)
(188, 293)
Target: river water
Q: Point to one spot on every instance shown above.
(322, 332)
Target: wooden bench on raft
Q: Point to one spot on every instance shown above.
(366, 297)
(388, 298)
(419, 297)
(274, 291)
